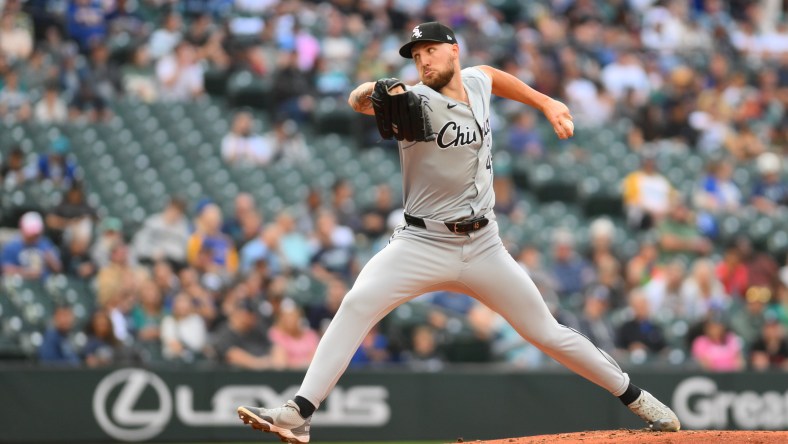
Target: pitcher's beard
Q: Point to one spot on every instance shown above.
(440, 80)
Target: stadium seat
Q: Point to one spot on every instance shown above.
(244, 89)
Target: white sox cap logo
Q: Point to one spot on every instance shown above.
(417, 32)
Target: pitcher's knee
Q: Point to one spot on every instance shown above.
(551, 338)
(358, 303)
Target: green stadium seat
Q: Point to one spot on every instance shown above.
(244, 89)
(331, 117)
(215, 82)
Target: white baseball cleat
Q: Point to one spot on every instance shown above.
(660, 418)
(285, 421)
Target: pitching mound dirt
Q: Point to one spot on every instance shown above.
(646, 437)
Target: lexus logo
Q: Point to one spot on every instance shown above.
(121, 420)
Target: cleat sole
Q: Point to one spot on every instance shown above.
(258, 423)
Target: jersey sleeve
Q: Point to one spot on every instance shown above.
(479, 80)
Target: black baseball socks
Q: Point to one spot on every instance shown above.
(305, 408)
(629, 396)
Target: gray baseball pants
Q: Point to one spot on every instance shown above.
(418, 261)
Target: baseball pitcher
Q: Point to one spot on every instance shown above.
(450, 240)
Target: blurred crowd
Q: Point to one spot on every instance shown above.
(706, 77)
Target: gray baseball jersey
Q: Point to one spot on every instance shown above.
(450, 178)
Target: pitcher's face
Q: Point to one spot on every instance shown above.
(435, 63)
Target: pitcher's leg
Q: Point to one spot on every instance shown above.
(498, 281)
(404, 269)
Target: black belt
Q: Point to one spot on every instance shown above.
(464, 226)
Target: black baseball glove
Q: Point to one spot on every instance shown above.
(400, 116)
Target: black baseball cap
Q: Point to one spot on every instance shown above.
(428, 32)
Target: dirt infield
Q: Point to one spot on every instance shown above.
(646, 437)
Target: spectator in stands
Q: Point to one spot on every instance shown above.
(199, 31)
(647, 194)
(242, 147)
(241, 342)
(747, 320)
(119, 278)
(779, 306)
(530, 258)
(507, 199)
(374, 218)
(293, 245)
(202, 300)
(148, 313)
(165, 39)
(292, 90)
(110, 233)
(85, 22)
(626, 73)
(138, 76)
(701, 292)
(103, 348)
(16, 42)
(595, 322)
(180, 76)
(732, 272)
(450, 302)
(343, 204)
(164, 235)
(423, 354)
(40, 71)
(105, 76)
(716, 194)
(88, 105)
(246, 223)
(77, 261)
(330, 80)
(287, 143)
(601, 234)
(184, 333)
(505, 343)
(640, 268)
(664, 290)
(51, 109)
(263, 250)
(334, 255)
(679, 234)
(58, 166)
(119, 309)
(717, 349)
(30, 255)
(640, 334)
(771, 190)
(770, 350)
(293, 335)
(373, 350)
(56, 347)
(589, 101)
(14, 172)
(72, 213)
(743, 143)
(14, 100)
(570, 271)
(321, 314)
(208, 240)
(762, 269)
(166, 280)
(608, 275)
